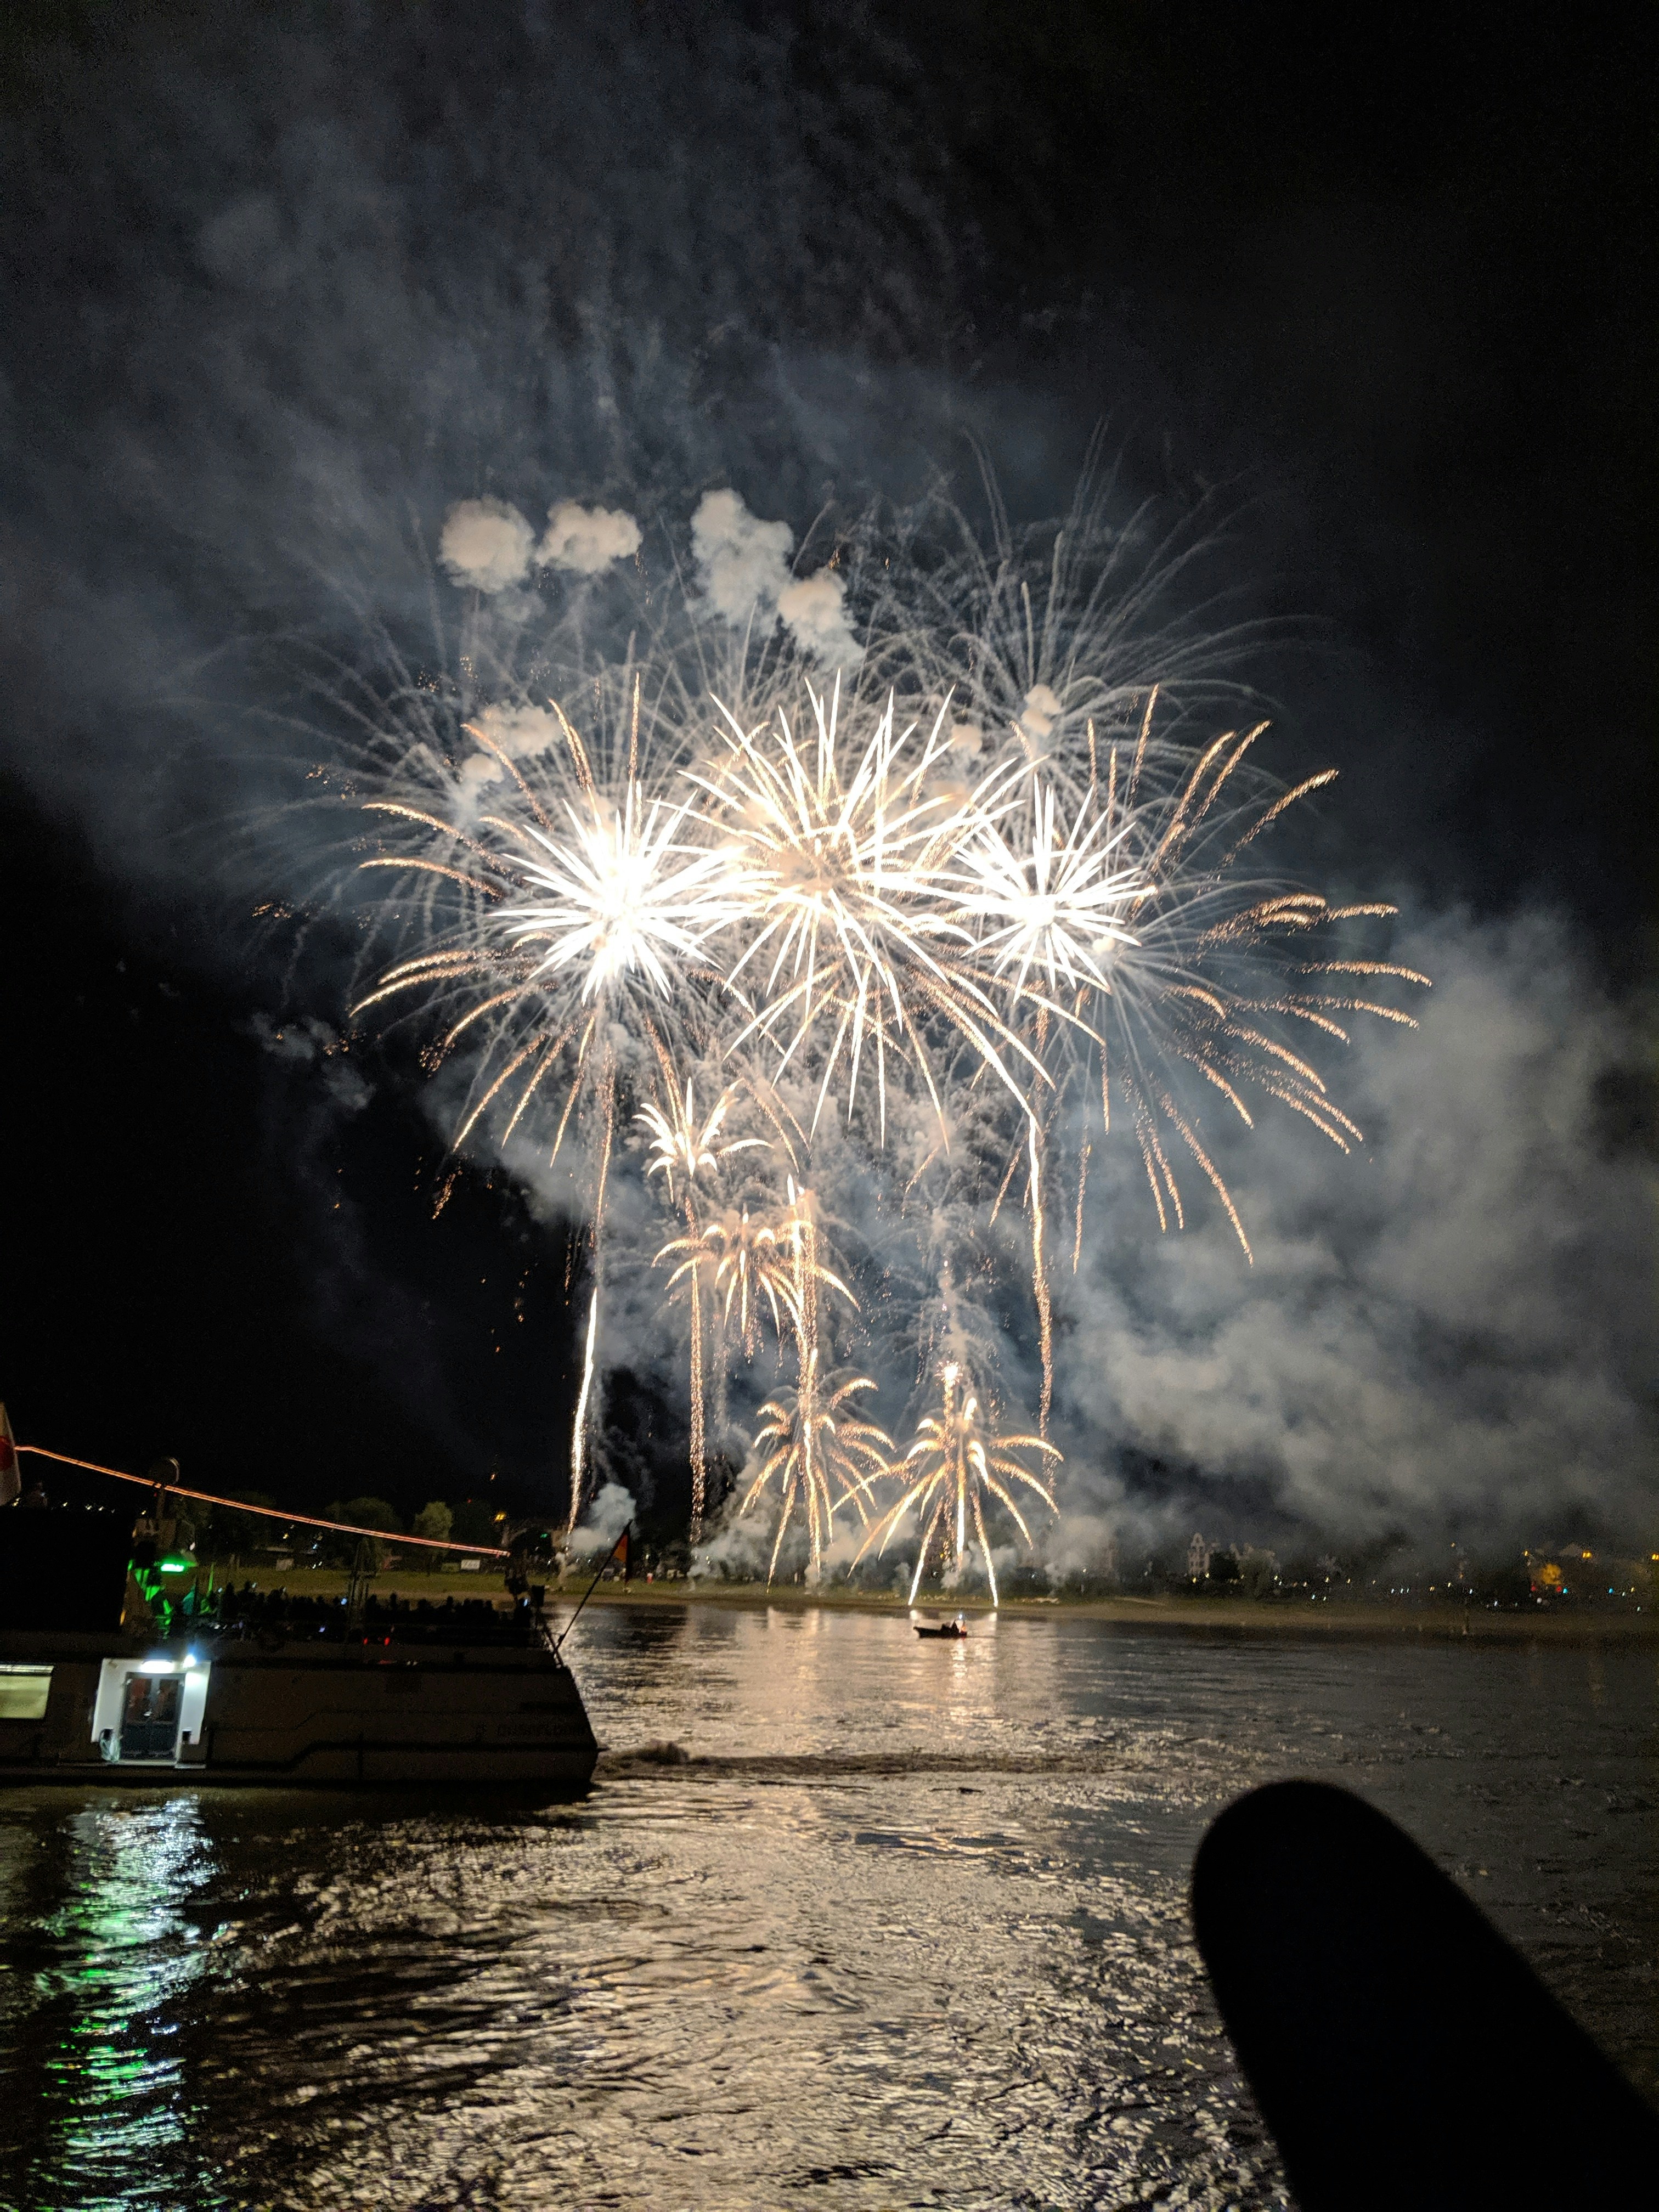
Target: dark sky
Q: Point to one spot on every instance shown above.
(1382, 276)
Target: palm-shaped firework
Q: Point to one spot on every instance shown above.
(686, 1148)
(752, 1262)
(956, 1462)
(687, 1152)
(814, 1449)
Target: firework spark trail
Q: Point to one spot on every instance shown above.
(579, 1431)
(684, 1150)
(1040, 1281)
(699, 1441)
(995, 906)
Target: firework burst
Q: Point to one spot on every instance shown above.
(957, 1461)
(1159, 955)
(562, 926)
(812, 1449)
(850, 954)
(984, 882)
(563, 933)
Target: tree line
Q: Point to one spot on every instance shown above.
(222, 1533)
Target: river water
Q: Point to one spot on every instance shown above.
(909, 1928)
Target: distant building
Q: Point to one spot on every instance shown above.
(1198, 1559)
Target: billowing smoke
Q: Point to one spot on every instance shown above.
(814, 612)
(743, 563)
(602, 1525)
(488, 543)
(1442, 1335)
(513, 732)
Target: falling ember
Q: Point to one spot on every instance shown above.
(1082, 1190)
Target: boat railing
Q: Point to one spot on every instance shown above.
(256, 1616)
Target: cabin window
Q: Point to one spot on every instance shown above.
(24, 1691)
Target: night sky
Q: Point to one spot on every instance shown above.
(1377, 279)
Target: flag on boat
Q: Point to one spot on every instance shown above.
(11, 1482)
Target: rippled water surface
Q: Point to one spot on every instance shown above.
(908, 1929)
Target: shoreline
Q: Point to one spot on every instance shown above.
(1339, 1619)
(1335, 1619)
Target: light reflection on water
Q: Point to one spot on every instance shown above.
(908, 1929)
(101, 1958)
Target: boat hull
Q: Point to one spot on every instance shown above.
(372, 1716)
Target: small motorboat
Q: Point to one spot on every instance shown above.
(952, 1630)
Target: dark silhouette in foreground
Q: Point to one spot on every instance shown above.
(1401, 2051)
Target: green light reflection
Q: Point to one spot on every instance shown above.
(102, 2097)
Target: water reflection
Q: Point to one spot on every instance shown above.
(105, 1956)
(893, 1922)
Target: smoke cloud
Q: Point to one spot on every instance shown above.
(486, 542)
(743, 565)
(602, 1525)
(814, 612)
(518, 732)
(587, 539)
(1445, 1334)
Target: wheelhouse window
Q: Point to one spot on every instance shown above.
(24, 1691)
